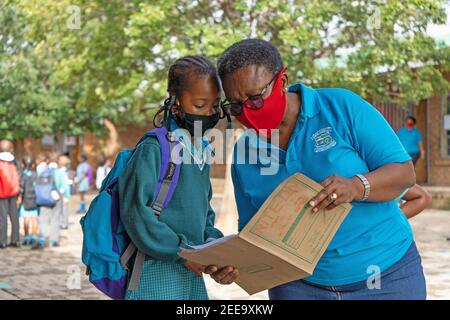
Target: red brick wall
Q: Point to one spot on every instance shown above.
(119, 139)
(439, 167)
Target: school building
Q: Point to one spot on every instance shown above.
(433, 120)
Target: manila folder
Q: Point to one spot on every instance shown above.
(283, 241)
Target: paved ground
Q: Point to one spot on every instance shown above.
(57, 273)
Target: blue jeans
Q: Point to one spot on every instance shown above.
(414, 157)
(402, 281)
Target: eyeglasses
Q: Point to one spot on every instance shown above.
(254, 102)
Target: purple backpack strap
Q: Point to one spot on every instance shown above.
(167, 182)
(169, 171)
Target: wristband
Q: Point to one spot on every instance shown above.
(366, 184)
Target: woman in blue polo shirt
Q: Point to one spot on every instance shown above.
(411, 139)
(338, 139)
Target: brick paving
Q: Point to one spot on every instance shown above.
(57, 273)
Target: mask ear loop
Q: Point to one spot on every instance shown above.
(168, 117)
(226, 114)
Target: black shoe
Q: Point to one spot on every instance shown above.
(3, 246)
(16, 245)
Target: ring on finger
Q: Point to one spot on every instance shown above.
(333, 197)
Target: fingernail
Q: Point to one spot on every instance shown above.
(312, 203)
(315, 210)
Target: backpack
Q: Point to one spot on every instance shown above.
(107, 248)
(90, 175)
(44, 188)
(9, 179)
(27, 181)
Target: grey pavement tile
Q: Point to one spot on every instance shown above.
(43, 274)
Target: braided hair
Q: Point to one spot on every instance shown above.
(178, 80)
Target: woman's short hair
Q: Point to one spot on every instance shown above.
(250, 52)
(412, 118)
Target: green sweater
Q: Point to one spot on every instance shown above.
(188, 218)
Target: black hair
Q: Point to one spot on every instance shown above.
(102, 161)
(412, 118)
(250, 52)
(27, 162)
(178, 78)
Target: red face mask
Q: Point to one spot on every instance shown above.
(270, 115)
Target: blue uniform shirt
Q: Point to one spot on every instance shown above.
(337, 132)
(410, 139)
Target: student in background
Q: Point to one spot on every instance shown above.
(53, 160)
(414, 200)
(102, 171)
(28, 208)
(82, 181)
(63, 186)
(41, 163)
(48, 200)
(9, 190)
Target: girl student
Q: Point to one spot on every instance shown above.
(28, 208)
(194, 88)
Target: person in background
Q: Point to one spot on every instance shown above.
(28, 208)
(9, 190)
(71, 174)
(102, 171)
(63, 186)
(49, 214)
(82, 181)
(53, 160)
(41, 163)
(411, 139)
(414, 200)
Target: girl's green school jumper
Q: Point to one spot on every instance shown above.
(188, 219)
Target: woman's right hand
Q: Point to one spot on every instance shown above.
(196, 268)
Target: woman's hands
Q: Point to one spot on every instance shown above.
(225, 275)
(346, 191)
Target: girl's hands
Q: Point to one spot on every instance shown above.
(196, 268)
(225, 275)
(346, 190)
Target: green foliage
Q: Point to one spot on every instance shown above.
(114, 65)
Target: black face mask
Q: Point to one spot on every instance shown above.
(188, 121)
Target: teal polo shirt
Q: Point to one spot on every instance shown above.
(337, 132)
(410, 139)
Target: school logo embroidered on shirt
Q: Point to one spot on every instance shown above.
(324, 140)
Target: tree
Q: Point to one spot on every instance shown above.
(112, 62)
(29, 104)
